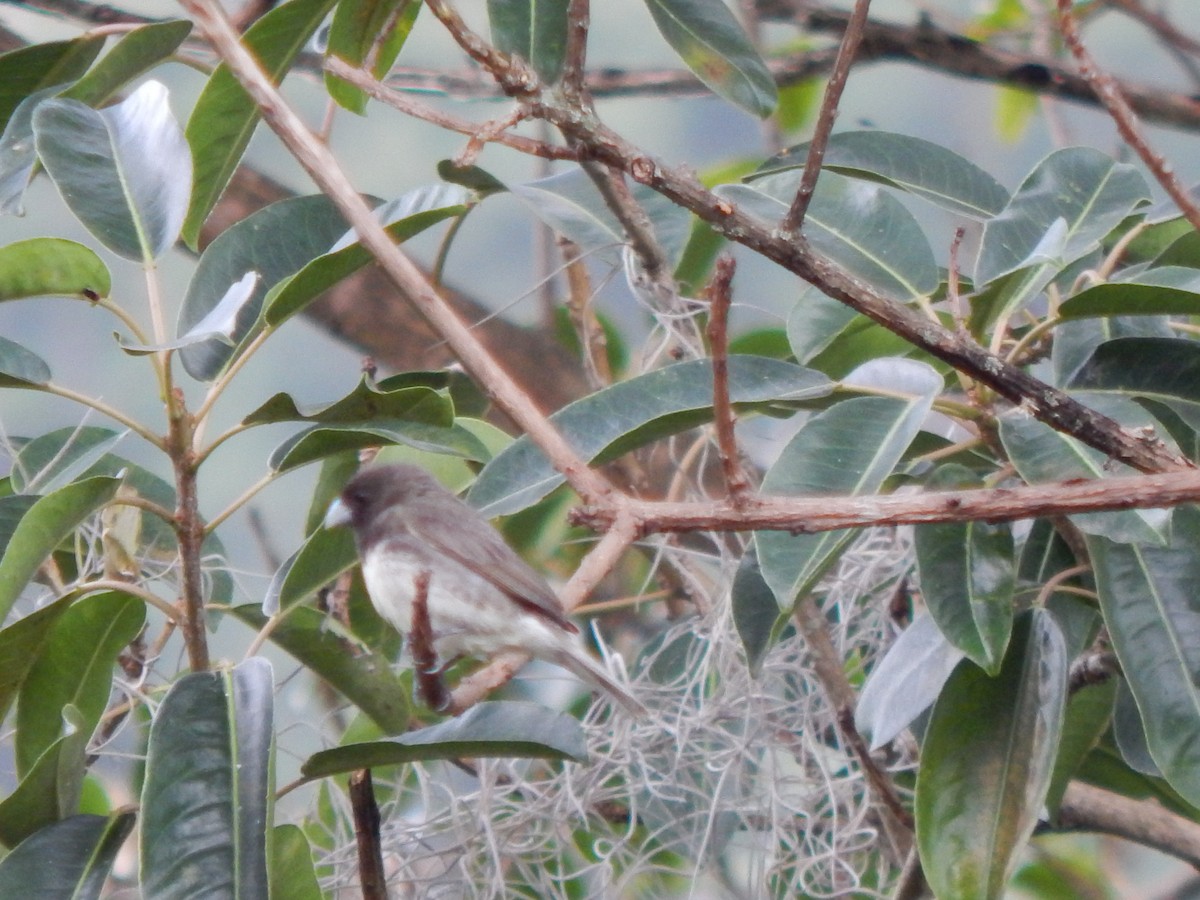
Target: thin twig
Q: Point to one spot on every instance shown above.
(366, 835)
(720, 295)
(574, 75)
(1110, 95)
(794, 220)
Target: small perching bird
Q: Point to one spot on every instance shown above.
(482, 598)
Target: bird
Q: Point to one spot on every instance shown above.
(482, 598)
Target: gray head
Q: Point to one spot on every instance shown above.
(379, 490)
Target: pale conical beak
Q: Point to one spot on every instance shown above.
(337, 514)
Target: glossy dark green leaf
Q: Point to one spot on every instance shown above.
(137, 52)
(1084, 188)
(1162, 369)
(403, 217)
(712, 44)
(846, 450)
(1150, 605)
(632, 413)
(1104, 768)
(275, 242)
(535, 30)
(755, 612)
(572, 206)
(291, 868)
(21, 368)
(968, 570)
(1075, 341)
(365, 679)
(38, 66)
(324, 555)
(1166, 291)
(493, 728)
(52, 460)
(862, 228)
(987, 760)
(21, 644)
(1042, 455)
(52, 267)
(906, 681)
(1089, 711)
(368, 402)
(1129, 735)
(75, 667)
(50, 790)
(322, 441)
(207, 795)
(39, 531)
(125, 171)
(71, 858)
(361, 27)
(18, 155)
(473, 178)
(224, 116)
(911, 164)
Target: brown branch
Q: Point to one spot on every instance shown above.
(720, 297)
(574, 75)
(808, 515)
(1146, 822)
(1109, 93)
(927, 45)
(371, 873)
(851, 38)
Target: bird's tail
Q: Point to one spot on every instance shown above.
(576, 659)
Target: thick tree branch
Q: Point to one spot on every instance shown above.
(1088, 808)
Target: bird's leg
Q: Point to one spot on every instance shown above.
(427, 675)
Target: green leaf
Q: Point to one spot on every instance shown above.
(224, 116)
(25, 71)
(1163, 369)
(1150, 605)
(847, 450)
(21, 368)
(510, 729)
(50, 519)
(322, 441)
(862, 228)
(712, 44)
(535, 30)
(1077, 340)
(1165, 291)
(136, 53)
(52, 266)
(906, 681)
(570, 204)
(124, 171)
(275, 242)
(755, 612)
(52, 460)
(1088, 191)
(358, 28)
(987, 760)
(74, 668)
(1089, 711)
(18, 155)
(632, 413)
(71, 858)
(323, 556)
(910, 164)
(21, 645)
(51, 789)
(403, 217)
(1042, 455)
(206, 802)
(967, 572)
(292, 874)
(366, 679)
